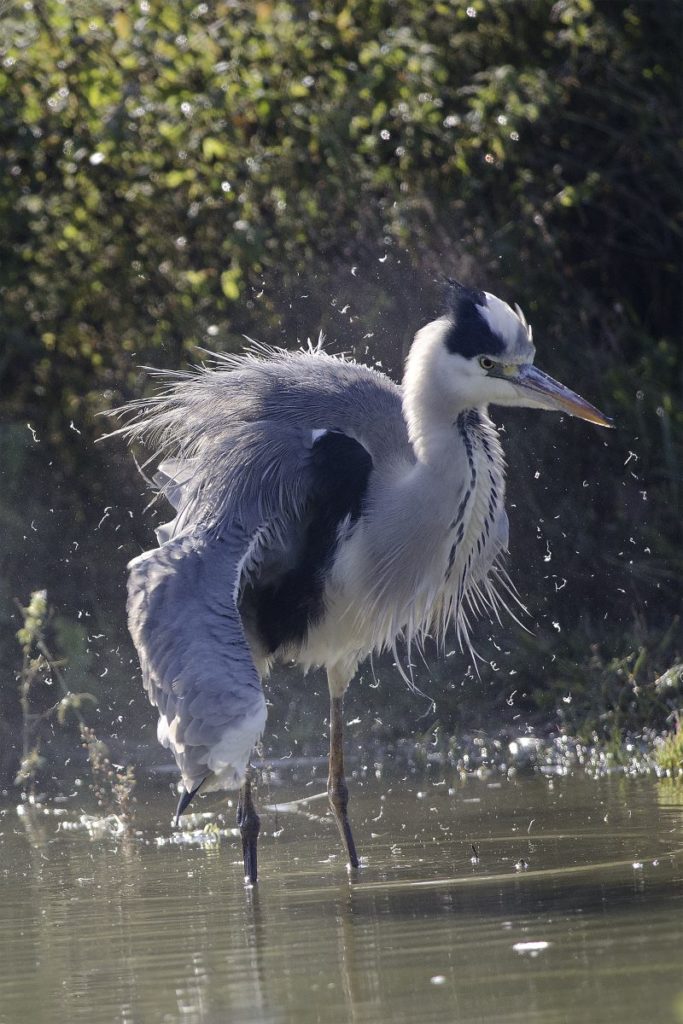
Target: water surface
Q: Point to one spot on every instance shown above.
(572, 910)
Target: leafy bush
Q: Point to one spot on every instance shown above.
(175, 175)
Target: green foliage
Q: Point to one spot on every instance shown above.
(669, 752)
(112, 786)
(39, 670)
(669, 749)
(607, 694)
(34, 619)
(164, 166)
(175, 175)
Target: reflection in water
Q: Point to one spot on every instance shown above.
(124, 929)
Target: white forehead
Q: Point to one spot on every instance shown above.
(512, 329)
(500, 317)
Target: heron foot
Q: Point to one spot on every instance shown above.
(249, 825)
(338, 796)
(249, 830)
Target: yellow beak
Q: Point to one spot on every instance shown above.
(547, 393)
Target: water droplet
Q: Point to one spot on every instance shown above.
(532, 948)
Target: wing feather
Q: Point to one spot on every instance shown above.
(235, 456)
(196, 663)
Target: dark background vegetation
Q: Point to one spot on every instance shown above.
(176, 175)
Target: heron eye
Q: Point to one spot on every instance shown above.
(486, 363)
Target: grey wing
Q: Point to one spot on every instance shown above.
(196, 663)
(172, 478)
(239, 436)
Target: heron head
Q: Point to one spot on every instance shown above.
(491, 355)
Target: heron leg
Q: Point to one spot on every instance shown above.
(337, 790)
(249, 825)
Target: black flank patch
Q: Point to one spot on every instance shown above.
(286, 608)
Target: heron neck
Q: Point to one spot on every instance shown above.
(430, 407)
(437, 443)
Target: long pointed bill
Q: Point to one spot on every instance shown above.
(548, 393)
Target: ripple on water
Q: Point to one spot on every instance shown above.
(155, 925)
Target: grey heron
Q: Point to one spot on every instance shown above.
(322, 512)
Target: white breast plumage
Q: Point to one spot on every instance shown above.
(421, 589)
(477, 533)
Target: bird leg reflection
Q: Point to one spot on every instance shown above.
(337, 790)
(249, 825)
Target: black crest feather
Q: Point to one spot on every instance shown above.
(456, 293)
(470, 334)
